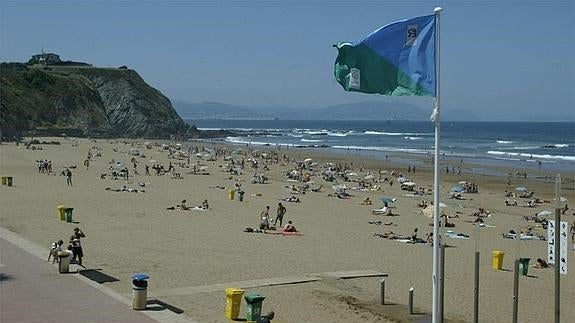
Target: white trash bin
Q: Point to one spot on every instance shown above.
(64, 264)
(139, 291)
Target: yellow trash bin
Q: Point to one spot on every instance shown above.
(62, 212)
(497, 259)
(231, 194)
(233, 302)
(4, 180)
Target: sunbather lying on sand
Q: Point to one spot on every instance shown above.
(125, 189)
(383, 211)
(367, 201)
(291, 199)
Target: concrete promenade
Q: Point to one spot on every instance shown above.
(32, 290)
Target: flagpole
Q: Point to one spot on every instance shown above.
(436, 316)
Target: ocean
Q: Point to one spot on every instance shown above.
(549, 146)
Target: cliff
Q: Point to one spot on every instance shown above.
(84, 101)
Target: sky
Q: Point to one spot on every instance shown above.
(502, 60)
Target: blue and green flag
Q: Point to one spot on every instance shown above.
(396, 59)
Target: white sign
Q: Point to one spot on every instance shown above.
(563, 248)
(551, 241)
(563, 245)
(354, 78)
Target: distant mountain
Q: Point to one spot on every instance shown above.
(367, 110)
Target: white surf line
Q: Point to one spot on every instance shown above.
(190, 290)
(166, 316)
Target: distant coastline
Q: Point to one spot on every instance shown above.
(523, 145)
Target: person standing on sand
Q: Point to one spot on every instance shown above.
(68, 175)
(264, 219)
(281, 211)
(76, 245)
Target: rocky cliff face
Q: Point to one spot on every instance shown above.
(85, 101)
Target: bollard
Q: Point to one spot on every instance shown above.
(410, 301)
(382, 287)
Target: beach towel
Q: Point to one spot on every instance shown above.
(456, 235)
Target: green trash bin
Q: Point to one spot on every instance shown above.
(9, 180)
(524, 266)
(241, 196)
(69, 214)
(254, 309)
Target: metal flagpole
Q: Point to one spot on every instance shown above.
(436, 317)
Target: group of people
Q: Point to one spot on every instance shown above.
(265, 220)
(183, 206)
(74, 245)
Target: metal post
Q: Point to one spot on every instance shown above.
(557, 247)
(410, 301)
(382, 287)
(436, 119)
(440, 315)
(515, 290)
(476, 290)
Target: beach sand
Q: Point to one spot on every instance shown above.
(192, 256)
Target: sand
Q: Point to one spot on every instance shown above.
(192, 256)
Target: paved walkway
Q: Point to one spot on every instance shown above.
(32, 290)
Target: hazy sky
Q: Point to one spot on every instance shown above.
(499, 59)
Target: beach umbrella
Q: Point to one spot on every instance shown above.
(457, 189)
(561, 199)
(339, 188)
(307, 160)
(544, 213)
(462, 182)
(442, 205)
(408, 184)
(521, 189)
(369, 177)
(388, 199)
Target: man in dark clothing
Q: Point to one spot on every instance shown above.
(266, 318)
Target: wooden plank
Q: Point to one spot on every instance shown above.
(189, 290)
(354, 274)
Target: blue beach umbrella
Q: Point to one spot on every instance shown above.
(521, 189)
(388, 199)
(458, 189)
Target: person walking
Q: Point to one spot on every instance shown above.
(68, 174)
(76, 245)
(281, 211)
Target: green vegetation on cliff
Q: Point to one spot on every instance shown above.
(84, 101)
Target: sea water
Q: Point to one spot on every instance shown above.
(549, 146)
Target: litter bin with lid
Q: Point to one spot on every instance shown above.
(254, 309)
(231, 194)
(4, 180)
(9, 180)
(233, 302)
(497, 261)
(64, 264)
(524, 266)
(68, 212)
(62, 212)
(139, 291)
(241, 196)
